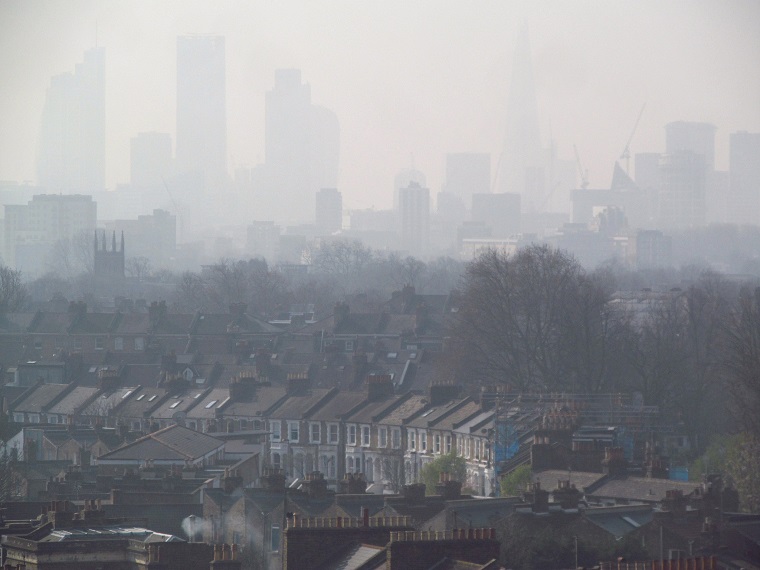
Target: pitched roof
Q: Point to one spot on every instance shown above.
(171, 443)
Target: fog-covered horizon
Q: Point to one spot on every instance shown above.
(408, 82)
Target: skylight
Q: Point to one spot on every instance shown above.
(211, 404)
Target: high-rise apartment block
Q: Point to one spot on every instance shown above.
(683, 179)
(31, 230)
(329, 210)
(201, 110)
(72, 142)
(744, 174)
(414, 211)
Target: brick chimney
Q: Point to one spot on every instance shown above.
(316, 485)
(614, 462)
(273, 479)
(352, 484)
(567, 495)
(226, 557)
(379, 387)
(448, 488)
(414, 493)
(231, 481)
(537, 497)
(298, 383)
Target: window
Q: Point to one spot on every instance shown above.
(77, 343)
(18, 418)
(333, 433)
(276, 460)
(38, 345)
(275, 427)
(34, 418)
(315, 434)
(423, 442)
(396, 438)
(275, 546)
(350, 465)
(365, 436)
(382, 437)
(118, 343)
(412, 440)
(100, 343)
(293, 431)
(349, 345)
(448, 444)
(139, 343)
(351, 435)
(53, 419)
(437, 443)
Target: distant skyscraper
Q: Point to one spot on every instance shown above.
(500, 212)
(201, 110)
(403, 179)
(698, 138)
(522, 154)
(72, 145)
(301, 148)
(682, 191)
(744, 173)
(468, 173)
(150, 160)
(329, 210)
(414, 209)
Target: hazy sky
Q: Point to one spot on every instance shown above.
(405, 78)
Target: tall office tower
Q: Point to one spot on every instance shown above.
(698, 138)
(468, 173)
(414, 210)
(744, 173)
(522, 156)
(72, 143)
(329, 210)
(682, 191)
(201, 111)
(301, 148)
(150, 160)
(403, 179)
(500, 212)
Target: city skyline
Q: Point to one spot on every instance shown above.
(595, 63)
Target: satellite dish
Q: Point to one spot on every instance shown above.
(179, 417)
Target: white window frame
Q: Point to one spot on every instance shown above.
(437, 443)
(139, 344)
(412, 441)
(366, 436)
(396, 438)
(294, 427)
(351, 434)
(315, 432)
(118, 343)
(333, 433)
(423, 442)
(276, 428)
(382, 437)
(448, 444)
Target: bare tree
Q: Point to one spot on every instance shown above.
(12, 291)
(138, 267)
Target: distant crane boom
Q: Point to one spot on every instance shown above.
(583, 172)
(626, 155)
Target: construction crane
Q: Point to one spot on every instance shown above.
(583, 172)
(626, 155)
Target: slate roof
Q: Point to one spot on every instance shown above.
(356, 557)
(405, 410)
(637, 488)
(620, 520)
(434, 414)
(296, 406)
(206, 407)
(581, 479)
(171, 443)
(265, 398)
(106, 402)
(136, 402)
(178, 403)
(339, 405)
(72, 401)
(36, 399)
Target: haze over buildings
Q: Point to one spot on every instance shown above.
(226, 116)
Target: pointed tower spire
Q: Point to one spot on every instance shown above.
(122, 241)
(522, 155)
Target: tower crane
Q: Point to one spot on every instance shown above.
(583, 172)
(626, 154)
